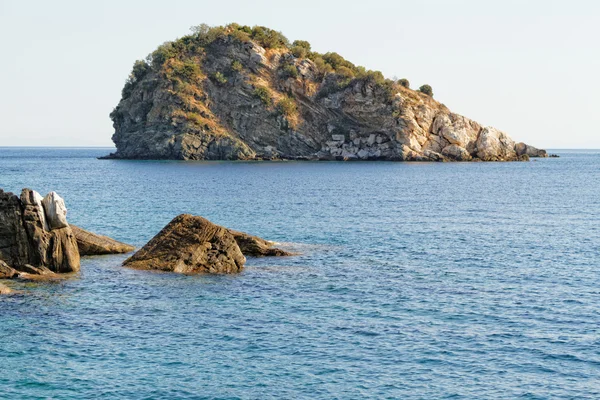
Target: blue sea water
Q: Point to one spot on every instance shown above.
(416, 281)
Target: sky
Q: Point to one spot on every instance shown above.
(529, 67)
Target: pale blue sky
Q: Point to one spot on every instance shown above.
(530, 68)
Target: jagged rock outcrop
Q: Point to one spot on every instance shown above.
(34, 232)
(91, 244)
(191, 244)
(229, 93)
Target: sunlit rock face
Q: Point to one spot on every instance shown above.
(227, 95)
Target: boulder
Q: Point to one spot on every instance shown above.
(190, 244)
(91, 244)
(7, 272)
(35, 232)
(494, 145)
(257, 247)
(56, 211)
(525, 149)
(63, 254)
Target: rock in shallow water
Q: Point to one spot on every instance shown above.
(91, 244)
(190, 244)
(257, 247)
(7, 272)
(30, 234)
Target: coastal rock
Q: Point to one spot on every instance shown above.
(277, 105)
(56, 211)
(36, 226)
(63, 252)
(7, 272)
(494, 145)
(35, 232)
(524, 149)
(15, 248)
(190, 244)
(91, 244)
(256, 247)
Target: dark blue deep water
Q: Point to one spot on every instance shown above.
(417, 280)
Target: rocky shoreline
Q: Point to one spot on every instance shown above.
(37, 242)
(226, 93)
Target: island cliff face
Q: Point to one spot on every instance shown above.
(240, 93)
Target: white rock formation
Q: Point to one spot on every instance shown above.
(56, 211)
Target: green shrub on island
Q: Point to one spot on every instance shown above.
(139, 71)
(302, 43)
(269, 38)
(289, 71)
(264, 95)
(219, 78)
(404, 83)
(237, 66)
(426, 89)
(299, 52)
(287, 106)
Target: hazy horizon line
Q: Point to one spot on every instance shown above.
(113, 147)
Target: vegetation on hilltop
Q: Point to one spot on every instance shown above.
(180, 60)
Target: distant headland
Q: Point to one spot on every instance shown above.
(240, 93)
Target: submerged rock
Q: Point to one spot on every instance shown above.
(91, 244)
(5, 289)
(257, 247)
(190, 244)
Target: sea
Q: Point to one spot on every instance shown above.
(415, 281)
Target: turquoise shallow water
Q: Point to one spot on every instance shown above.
(420, 281)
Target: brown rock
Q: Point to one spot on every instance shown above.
(91, 244)
(190, 244)
(7, 272)
(35, 224)
(257, 247)
(31, 273)
(25, 237)
(15, 248)
(64, 254)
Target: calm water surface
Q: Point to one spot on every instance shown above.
(417, 280)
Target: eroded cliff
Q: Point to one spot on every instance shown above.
(240, 93)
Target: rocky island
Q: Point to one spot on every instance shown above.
(241, 93)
